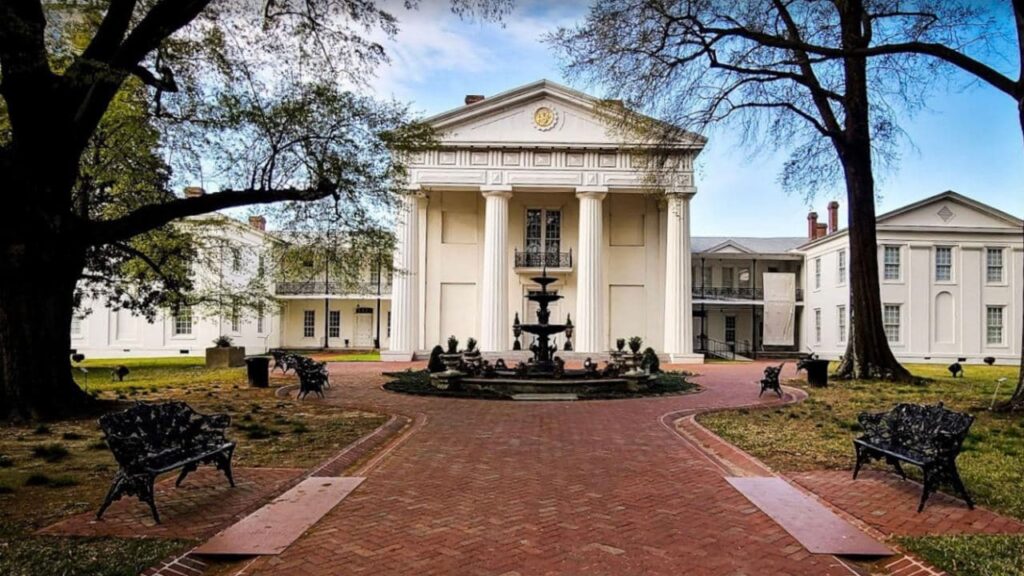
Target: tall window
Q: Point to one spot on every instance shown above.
(389, 323)
(730, 328)
(183, 321)
(892, 262)
(705, 276)
(259, 317)
(842, 267)
(76, 325)
(994, 265)
(817, 325)
(943, 263)
(841, 323)
(891, 322)
(334, 324)
(994, 324)
(728, 276)
(308, 323)
(236, 317)
(817, 273)
(544, 231)
(236, 259)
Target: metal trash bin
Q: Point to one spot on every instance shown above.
(257, 368)
(817, 372)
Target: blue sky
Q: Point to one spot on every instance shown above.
(968, 140)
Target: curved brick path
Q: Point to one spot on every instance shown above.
(599, 487)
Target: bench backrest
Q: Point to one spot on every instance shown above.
(147, 429)
(928, 428)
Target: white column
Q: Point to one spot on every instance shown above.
(405, 294)
(678, 281)
(494, 326)
(590, 306)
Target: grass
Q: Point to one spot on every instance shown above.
(64, 468)
(972, 555)
(351, 357)
(817, 434)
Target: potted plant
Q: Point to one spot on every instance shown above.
(472, 355)
(223, 354)
(452, 359)
(620, 344)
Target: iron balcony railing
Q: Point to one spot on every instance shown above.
(732, 293)
(719, 349)
(541, 259)
(338, 288)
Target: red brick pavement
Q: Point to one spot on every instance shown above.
(601, 487)
(889, 504)
(201, 506)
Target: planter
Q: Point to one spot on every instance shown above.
(225, 357)
(451, 361)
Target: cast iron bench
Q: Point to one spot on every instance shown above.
(927, 436)
(312, 376)
(771, 380)
(150, 439)
(282, 360)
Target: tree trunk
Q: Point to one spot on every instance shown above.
(1017, 400)
(36, 303)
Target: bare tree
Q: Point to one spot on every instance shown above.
(800, 76)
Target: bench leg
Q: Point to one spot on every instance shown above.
(929, 486)
(113, 494)
(185, 471)
(224, 464)
(861, 457)
(778, 390)
(899, 468)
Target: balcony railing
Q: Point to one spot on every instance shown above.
(539, 259)
(723, 350)
(334, 288)
(732, 293)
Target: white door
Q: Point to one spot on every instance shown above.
(364, 330)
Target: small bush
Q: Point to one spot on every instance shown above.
(51, 452)
(42, 430)
(72, 436)
(38, 479)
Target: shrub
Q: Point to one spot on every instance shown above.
(51, 452)
(470, 344)
(435, 364)
(635, 343)
(650, 361)
(453, 345)
(222, 341)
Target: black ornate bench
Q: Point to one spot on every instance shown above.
(282, 360)
(150, 439)
(312, 375)
(927, 436)
(770, 381)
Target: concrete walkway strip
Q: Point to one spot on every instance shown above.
(817, 528)
(274, 527)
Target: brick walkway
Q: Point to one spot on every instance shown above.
(201, 506)
(605, 487)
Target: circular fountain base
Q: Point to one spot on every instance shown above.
(535, 385)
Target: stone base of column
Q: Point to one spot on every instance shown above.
(686, 358)
(396, 356)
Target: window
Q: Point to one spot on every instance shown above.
(728, 277)
(943, 263)
(705, 277)
(841, 323)
(308, 323)
(730, 328)
(892, 262)
(334, 324)
(236, 260)
(236, 323)
(994, 265)
(544, 231)
(817, 325)
(744, 277)
(389, 323)
(260, 267)
(841, 267)
(891, 322)
(817, 273)
(259, 317)
(994, 324)
(76, 326)
(183, 321)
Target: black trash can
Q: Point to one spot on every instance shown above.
(258, 370)
(817, 372)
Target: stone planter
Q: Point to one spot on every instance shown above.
(451, 361)
(225, 357)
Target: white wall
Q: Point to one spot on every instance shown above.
(293, 312)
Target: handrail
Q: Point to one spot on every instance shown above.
(543, 258)
(340, 288)
(719, 349)
(733, 293)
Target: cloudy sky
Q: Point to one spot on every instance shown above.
(968, 141)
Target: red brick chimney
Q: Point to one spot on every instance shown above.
(812, 225)
(194, 192)
(822, 230)
(473, 98)
(833, 217)
(258, 222)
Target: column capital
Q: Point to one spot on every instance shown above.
(415, 191)
(686, 192)
(595, 192)
(498, 191)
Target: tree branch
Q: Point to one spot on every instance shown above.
(966, 63)
(111, 31)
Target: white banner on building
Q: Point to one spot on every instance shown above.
(779, 308)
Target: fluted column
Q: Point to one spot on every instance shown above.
(590, 306)
(494, 327)
(405, 293)
(678, 280)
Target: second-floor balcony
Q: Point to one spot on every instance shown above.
(313, 288)
(550, 259)
(734, 293)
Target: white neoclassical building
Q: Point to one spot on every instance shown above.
(533, 178)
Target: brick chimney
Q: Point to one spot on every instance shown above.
(822, 230)
(258, 222)
(812, 225)
(194, 192)
(833, 217)
(474, 98)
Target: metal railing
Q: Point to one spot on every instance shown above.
(719, 349)
(339, 288)
(540, 259)
(733, 293)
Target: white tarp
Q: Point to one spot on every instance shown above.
(779, 308)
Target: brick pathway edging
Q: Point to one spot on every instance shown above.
(733, 460)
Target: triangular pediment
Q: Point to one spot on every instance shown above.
(728, 247)
(539, 114)
(951, 210)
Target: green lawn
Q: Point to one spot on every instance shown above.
(373, 356)
(817, 434)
